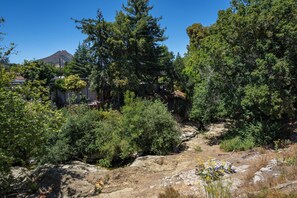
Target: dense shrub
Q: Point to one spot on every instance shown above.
(263, 132)
(24, 126)
(76, 140)
(112, 145)
(150, 126)
(143, 127)
(111, 137)
(247, 135)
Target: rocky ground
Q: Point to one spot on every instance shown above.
(147, 176)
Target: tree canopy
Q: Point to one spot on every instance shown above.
(127, 52)
(244, 65)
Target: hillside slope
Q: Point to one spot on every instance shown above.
(58, 58)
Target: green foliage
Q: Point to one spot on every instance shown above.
(82, 62)
(150, 126)
(196, 33)
(181, 81)
(206, 105)
(74, 83)
(60, 84)
(38, 70)
(111, 137)
(34, 90)
(243, 67)
(99, 55)
(24, 125)
(76, 140)
(128, 51)
(237, 144)
(251, 134)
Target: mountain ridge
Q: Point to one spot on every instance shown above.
(59, 58)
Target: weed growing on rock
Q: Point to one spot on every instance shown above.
(212, 172)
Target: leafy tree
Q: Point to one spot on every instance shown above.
(182, 81)
(38, 70)
(24, 126)
(74, 83)
(244, 66)
(196, 33)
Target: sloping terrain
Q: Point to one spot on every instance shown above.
(147, 176)
(58, 58)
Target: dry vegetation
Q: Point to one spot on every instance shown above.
(170, 192)
(277, 185)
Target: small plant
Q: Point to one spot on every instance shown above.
(237, 144)
(198, 149)
(291, 161)
(276, 144)
(211, 172)
(104, 163)
(218, 189)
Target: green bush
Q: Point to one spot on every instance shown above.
(263, 132)
(143, 127)
(206, 105)
(149, 126)
(112, 146)
(237, 144)
(112, 137)
(247, 135)
(76, 140)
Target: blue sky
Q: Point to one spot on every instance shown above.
(39, 28)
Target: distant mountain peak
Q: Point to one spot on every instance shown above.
(58, 58)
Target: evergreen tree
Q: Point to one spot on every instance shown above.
(127, 52)
(179, 77)
(82, 62)
(143, 41)
(98, 31)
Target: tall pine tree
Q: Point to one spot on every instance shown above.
(144, 50)
(98, 31)
(82, 62)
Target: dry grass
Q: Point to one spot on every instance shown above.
(257, 165)
(272, 193)
(287, 172)
(170, 192)
(262, 150)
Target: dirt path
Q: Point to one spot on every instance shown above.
(149, 175)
